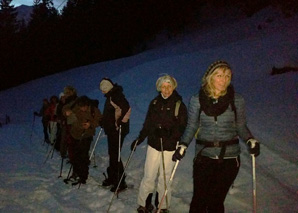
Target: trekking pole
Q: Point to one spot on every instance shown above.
(170, 181)
(125, 167)
(61, 167)
(119, 154)
(95, 144)
(49, 153)
(164, 169)
(254, 183)
(32, 128)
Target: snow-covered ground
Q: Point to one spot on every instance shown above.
(30, 185)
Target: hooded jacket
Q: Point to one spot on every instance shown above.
(116, 111)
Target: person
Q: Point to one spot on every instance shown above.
(51, 111)
(85, 119)
(163, 127)
(59, 120)
(45, 118)
(216, 117)
(66, 144)
(115, 123)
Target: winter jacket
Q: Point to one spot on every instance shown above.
(69, 104)
(161, 122)
(116, 111)
(93, 115)
(226, 128)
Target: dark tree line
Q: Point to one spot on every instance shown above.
(89, 31)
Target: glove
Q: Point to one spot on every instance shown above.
(135, 143)
(253, 147)
(35, 113)
(179, 153)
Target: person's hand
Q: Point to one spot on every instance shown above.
(253, 147)
(134, 144)
(119, 122)
(35, 113)
(179, 153)
(86, 125)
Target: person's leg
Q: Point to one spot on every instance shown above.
(169, 164)
(225, 175)
(150, 173)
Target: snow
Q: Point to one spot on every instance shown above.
(29, 184)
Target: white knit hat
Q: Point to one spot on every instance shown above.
(106, 85)
(168, 79)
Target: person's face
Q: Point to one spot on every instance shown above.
(221, 80)
(166, 89)
(84, 108)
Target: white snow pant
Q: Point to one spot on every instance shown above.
(154, 168)
(52, 131)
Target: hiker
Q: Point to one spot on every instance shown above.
(45, 118)
(216, 117)
(163, 127)
(66, 144)
(51, 111)
(85, 119)
(116, 115)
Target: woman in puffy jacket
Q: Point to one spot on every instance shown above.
(216, 117)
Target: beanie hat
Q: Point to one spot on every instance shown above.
(69, 90)
(213, 67)
(61, 95)
(106, 85)
(168, 79)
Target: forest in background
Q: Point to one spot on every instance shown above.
(91, 31)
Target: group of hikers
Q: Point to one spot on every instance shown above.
(215, 117)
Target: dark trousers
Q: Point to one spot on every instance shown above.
(115, 169)
(45, 130)
(212, 180)
(81, 157)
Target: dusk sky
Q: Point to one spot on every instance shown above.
(16, 3)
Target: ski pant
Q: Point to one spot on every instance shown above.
(45, 130)
(81, 157)
(63, 142)
(154, 169)
(115, 169)
(212, 179)
(53, 131)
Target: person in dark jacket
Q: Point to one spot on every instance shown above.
(45, 118)
(66, 144)
(85, 119)
(116, 115)
(216, 117)
(165, 122)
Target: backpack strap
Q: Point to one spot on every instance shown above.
(178, 103)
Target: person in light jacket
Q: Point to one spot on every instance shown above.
(216, 118)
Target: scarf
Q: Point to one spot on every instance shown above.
(215, 107)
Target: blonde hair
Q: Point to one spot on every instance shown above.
(207, 83)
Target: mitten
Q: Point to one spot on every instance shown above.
(179, 153)
(253, 147)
